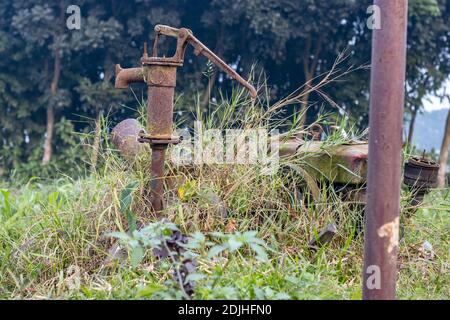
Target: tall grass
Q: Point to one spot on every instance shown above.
(54, 239)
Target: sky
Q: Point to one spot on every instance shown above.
(432, 102)
(430, 125)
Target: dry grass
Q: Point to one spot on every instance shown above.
(53, 238)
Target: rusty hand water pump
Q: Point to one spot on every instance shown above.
(159, 73)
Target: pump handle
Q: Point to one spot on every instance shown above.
(199, 48)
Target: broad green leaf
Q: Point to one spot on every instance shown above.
(137, 254)
(216, 234)
(260, 252)
(250, 234)
(259, 294)
(198, 236)
(234, 243)
(194, 277)
(214, 251)
(126, 196)
(149, 290)
(258, 241)
(125, 204)
(6, 207)
(119, 235)
(131, 220)
(281, 296)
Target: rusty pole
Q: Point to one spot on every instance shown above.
(385, 146)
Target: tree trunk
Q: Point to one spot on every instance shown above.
(48, 150)
(49, 136)
(96, 145)
(443, 156)
(412, 124)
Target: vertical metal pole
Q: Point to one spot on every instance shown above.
(157, 177)
(159, 126)
(385, 145)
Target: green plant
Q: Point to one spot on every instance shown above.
(248, 233)
(156, 237)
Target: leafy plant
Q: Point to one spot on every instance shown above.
(157, 235)
(125, 204)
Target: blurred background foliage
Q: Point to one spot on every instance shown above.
(55, 81)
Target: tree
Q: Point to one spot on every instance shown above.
(443, 155)
(291, 38)
(42, 26)
(428, 65)
(19, 115)
(95, 89)
(49, 73)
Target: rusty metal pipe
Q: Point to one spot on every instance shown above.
(159, 127)
(159, 118)
(385, 145)
(157, 177)
(126, 76)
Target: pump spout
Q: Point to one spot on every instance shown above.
(126, 76)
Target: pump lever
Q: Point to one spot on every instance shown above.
(167, 31)
(199, 48)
